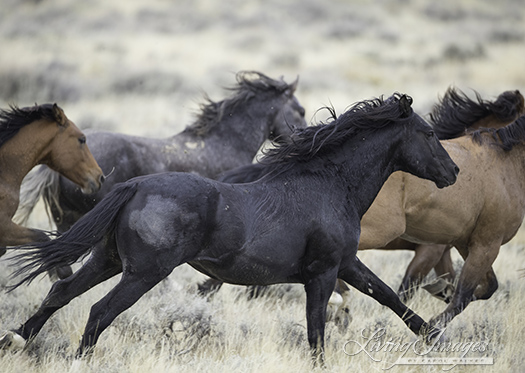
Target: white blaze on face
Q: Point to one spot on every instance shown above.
(161, 221)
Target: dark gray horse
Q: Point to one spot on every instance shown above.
(300, 223)
(226, 134)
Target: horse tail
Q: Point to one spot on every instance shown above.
(77, 242)
(39, 182)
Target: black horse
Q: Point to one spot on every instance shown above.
(298, 224)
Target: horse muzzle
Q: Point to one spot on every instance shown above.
(448, 180)
(93, 186)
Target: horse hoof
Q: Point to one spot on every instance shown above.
(431, 334)
(12, 341)
(441, 289)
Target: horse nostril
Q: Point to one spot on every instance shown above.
(456, 169)
(102, 179)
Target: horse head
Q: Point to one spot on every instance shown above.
(423, 154)
(290, 115)
(69, 154)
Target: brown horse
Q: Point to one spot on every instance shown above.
(481, 212)
(41, 134)
(455, 115)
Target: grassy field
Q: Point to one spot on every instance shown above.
(143, 67)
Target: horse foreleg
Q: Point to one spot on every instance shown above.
(488, 286)
(363, 279)
(318, 291)
(477, 267)
(13, 234)
(425, 258)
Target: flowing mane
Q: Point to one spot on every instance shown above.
(505, 137)
(249, 84)
(456, 112)
(369, 115)
(12, 120)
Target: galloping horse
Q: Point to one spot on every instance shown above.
(226, 134)
(41, 134)
(454, 116)
(300, 223)
(481, 212)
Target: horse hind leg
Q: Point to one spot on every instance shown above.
(96, 270)
(476, 271)
(135, 282)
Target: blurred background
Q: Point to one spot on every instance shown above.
(142, 67)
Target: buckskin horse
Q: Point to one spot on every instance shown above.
(300, 223)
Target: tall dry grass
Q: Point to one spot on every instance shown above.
(171, 329)
(142, 68)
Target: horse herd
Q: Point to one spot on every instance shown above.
(377, 176)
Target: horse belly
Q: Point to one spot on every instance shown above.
(253, 263)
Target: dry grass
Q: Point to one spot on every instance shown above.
(172, 329)
(142, 67)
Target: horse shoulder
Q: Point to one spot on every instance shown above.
(385, 219)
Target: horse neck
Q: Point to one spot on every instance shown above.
(24, 151)
(490, 121)
(361, 167)
(242, 130)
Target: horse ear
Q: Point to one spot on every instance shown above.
(59, 115)
(292, 87)
(405, 103)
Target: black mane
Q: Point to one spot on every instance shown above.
(249, 84)
(456, 112)
(12, 120)
(505, 137)
(369, 115)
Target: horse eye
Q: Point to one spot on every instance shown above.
(430, 134)
(82, 140)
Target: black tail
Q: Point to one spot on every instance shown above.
(77, 242)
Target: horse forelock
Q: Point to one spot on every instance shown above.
(505, 137)
(12, 120)
(363, 117)
(250, 84)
